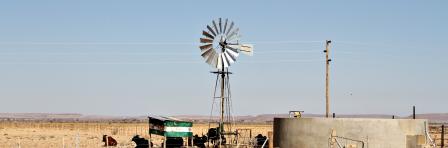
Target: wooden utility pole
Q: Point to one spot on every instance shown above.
(327, 78)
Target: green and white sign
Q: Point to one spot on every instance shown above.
(170, 128)
(178, 129)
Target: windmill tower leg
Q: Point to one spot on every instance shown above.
(221, 124)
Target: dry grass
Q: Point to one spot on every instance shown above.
(30, 135)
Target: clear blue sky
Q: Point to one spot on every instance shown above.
(142, 57)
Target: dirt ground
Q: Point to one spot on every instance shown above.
(86, 135)
(89, 135)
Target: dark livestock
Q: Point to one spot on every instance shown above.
(213, 136)
(109, 141)
(174, 142)
(141, 142)
(199, 141)
(260, 141)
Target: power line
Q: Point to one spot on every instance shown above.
(145, 43)
(146, 53)
(154, 62)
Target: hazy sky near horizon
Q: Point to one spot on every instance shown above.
(142, 57)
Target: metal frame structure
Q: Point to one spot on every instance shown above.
(220, 48)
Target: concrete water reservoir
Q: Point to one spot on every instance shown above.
(350, 132)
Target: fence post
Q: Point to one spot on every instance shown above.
(271, 139)
(107, 141)
(413, 112)
(164, 143)
(63, 142)
(18, 144)
(443, 136)
(77, 140)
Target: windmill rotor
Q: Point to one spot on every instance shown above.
(220, 45)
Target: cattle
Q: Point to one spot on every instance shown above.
(174, 142)
(141, 142)
(260, 140)
(109, 141)
(213, 136)
(199, 141)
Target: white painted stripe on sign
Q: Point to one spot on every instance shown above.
(178, 129)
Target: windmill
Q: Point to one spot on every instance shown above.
(220, 47)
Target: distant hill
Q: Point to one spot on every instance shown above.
(66, 117)
(433, 117)
(263, 118)
(38, 115)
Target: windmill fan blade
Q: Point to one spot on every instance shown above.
(206, 46)
(224, 60)
(229, 57)
(233, 33)
(232, 48)
(234, 39)
(216, 28)
(219, 62)
(225, 26)
(210, 58)
(204, 40)
(206, 34)
(220, 26)
(230, 29)
(206, 52)
(203, 52)
(232, 52)
(211, 30)
(215, 60)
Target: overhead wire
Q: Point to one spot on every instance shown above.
(263, 52)
(146, 43)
